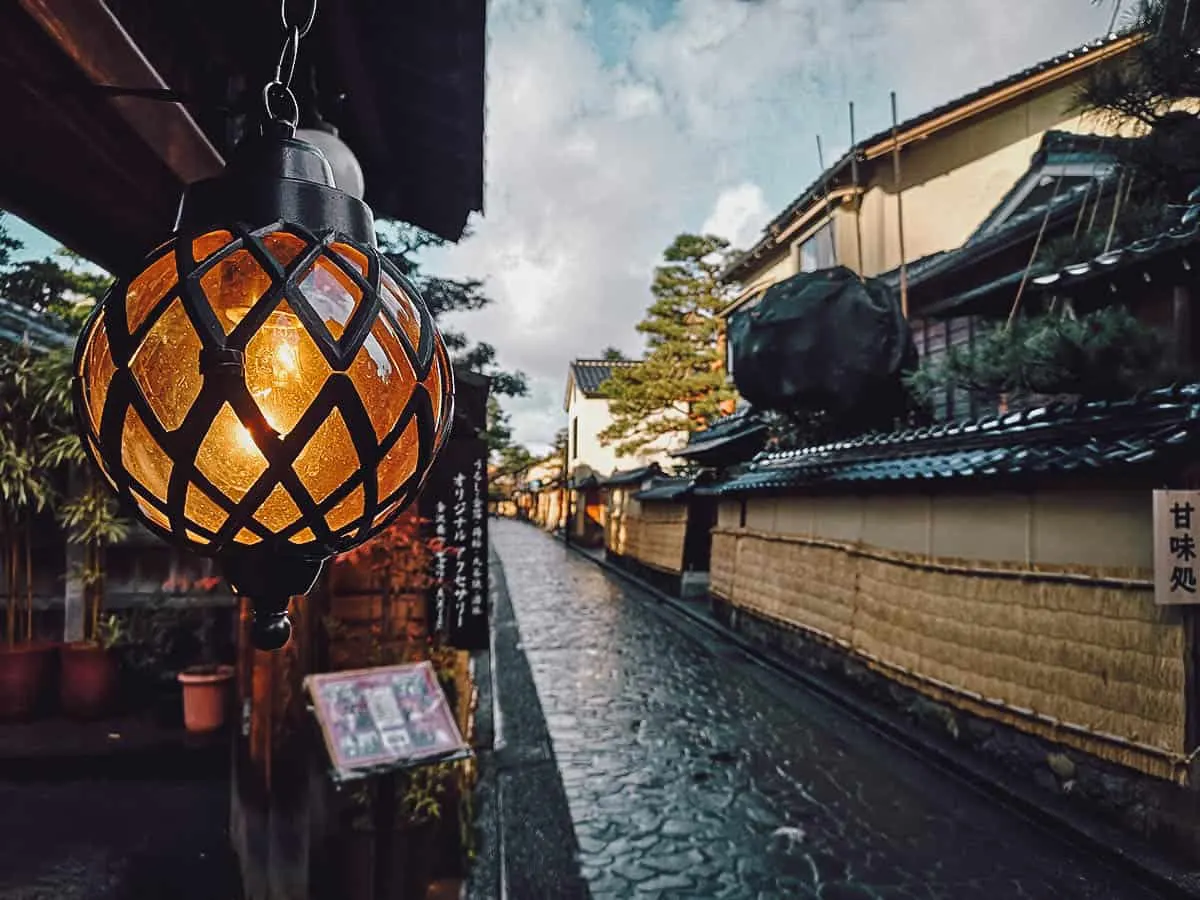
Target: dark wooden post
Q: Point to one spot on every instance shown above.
(1181, 314)
(277, 808)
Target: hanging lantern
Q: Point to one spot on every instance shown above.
(268, 388)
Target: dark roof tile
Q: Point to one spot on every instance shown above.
(590, 374)
(1090, 436)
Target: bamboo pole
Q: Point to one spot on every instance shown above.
(899, 208)
(1037, 244)
(857, 198)
(1116, 211)
(28, 582)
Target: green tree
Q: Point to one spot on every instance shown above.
(680, 385)
(514, 458)
(1146, 88)
(612, 354)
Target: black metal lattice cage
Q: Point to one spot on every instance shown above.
(191, 410)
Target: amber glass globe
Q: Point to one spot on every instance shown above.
(273, 389)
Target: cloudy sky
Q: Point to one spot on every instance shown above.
(613, 125)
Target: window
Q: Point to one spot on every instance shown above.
(818, 251)
(575, 438)
(934, 338)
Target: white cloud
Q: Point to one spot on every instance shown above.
(738, 215)
(603, 145)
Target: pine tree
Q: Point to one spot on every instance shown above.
(680, 385)
(1146, 88)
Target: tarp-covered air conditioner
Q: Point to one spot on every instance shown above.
(824, 342)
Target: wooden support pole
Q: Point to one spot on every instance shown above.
(899, 208)
(857, 196)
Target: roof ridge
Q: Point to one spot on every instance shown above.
(1082, 436)
(823, 179)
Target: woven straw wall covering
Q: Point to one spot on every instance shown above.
(1092, 662)
(653, 534)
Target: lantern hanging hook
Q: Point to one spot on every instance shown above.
(278, 100)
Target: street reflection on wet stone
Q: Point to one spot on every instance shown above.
(691, 772)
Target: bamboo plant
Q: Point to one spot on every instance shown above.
(41, 457)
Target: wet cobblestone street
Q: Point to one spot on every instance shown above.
(693, 772)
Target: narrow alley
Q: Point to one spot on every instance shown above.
(690, 771)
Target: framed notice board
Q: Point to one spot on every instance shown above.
(384, 719)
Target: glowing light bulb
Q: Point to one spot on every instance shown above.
(245, 440)
(281, 372)
(287, 354)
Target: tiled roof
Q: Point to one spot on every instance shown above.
(19, 323)
(1062, 208)
(632, 476)
(1057, 148)
(590, 374)
(1160, 428)
(826, 178)
(1129, 259)
(743, 426)
(666, 489)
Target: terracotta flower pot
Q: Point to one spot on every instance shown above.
(88, 686)
(205, 697)
(25, 672)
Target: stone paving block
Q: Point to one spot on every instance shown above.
(675, 750)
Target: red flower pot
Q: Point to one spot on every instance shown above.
(25, 671)
(88, 685)
(205, 697)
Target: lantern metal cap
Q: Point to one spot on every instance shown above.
(276, 177)
(270, 582)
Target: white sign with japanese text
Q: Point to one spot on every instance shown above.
(1176, 527)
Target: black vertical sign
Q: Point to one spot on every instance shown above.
(454, 503)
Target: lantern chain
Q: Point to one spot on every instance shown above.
(278, 100)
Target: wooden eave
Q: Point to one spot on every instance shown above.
(103, 174)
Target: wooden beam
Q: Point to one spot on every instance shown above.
(92, 37)
(997, 98)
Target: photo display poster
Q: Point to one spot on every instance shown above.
(454, 504)
(393, 717)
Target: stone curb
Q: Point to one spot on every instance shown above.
(1172, 880)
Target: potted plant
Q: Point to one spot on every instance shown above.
(90, 676)
(32, 413)
(205, 696)
(38, 451)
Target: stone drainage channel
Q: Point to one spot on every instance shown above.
(657, 757)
